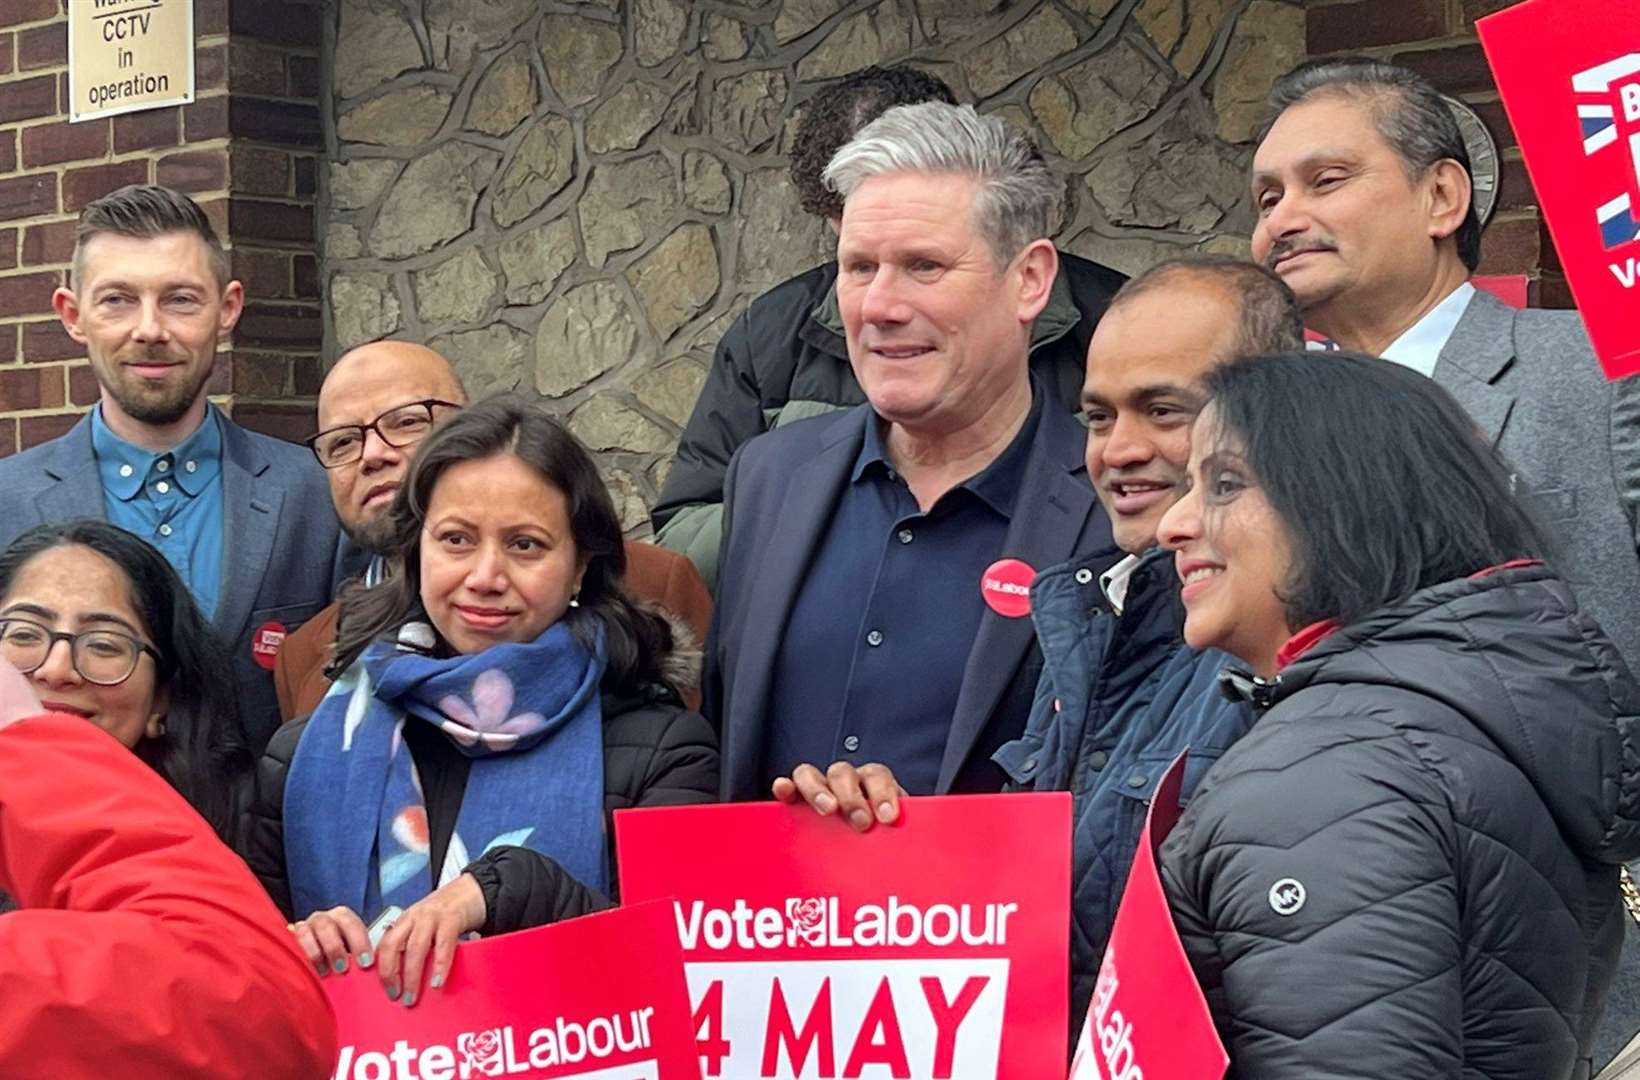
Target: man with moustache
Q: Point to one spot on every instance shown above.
(376, 404)
(1363, 192)
(243, 517)
(851, 623)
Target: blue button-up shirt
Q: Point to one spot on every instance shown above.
(172, 499)
(873, 656)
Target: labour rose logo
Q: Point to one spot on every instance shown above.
(805, 921)
(481, 1052)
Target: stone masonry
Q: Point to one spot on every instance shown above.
(574, 200)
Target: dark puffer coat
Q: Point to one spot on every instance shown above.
(1451, 783)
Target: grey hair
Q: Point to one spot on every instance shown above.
(1017, 194)
(1409, 113)
(1269, 321)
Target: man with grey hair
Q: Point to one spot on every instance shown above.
(1363, 191)
(874, 560)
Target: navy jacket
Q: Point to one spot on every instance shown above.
(781, 490)
(279, 545)
(1120, 697)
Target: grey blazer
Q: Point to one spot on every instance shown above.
(279, 552)
(1531, 381)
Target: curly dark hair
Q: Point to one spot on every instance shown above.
(833, 116)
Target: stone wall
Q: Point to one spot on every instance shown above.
(574, 200)
(246, 149)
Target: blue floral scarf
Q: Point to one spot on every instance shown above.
(529, 716)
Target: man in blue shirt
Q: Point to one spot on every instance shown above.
(863, 609)
(245, 519)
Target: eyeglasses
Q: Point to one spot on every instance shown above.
(103, 657)
(398, 427)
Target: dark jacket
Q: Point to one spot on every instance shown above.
(1120, 697)
(786, 359)
(656, 753)
(782, 491)
(1409, 866)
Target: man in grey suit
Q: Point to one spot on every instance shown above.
(1363, 191)
(245, 519)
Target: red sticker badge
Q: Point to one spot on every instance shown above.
(1006, 586)
(265, 642)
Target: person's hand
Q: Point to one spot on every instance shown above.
(861, 795)
(330, 937)
(434, 922)
(17, 699)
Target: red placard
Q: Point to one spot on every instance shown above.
(599, 998)
(930, 949)
(1148, 1016)
(1569, 75)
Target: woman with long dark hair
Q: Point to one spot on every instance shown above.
(105, 629)
(496, 696)
(1409, 866)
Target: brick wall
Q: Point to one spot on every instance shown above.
(1437, 39)
(245, 149)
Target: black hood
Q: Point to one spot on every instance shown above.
(1510, 653)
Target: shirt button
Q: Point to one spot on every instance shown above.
(165, 530)
(904, 535)
(875, 638)
(1098, 759)
(190, 466)
(1083, 576)
(162, 465)
(125, 470)
(852, 743)
(1137, 780)
(162, 487)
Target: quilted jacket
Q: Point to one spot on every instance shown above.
(1409, 866)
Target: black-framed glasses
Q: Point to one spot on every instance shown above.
(103, 657)
(398, 427)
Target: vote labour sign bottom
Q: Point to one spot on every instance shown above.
(1148, 1017)
(599, 998)
(933, 949)
(1569, 75)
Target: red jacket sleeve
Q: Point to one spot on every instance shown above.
(145, 948)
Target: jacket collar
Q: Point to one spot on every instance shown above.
(1480, 350)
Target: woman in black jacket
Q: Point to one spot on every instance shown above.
(495, 698)
(1409, 867)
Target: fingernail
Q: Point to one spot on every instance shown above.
(824, 804)
(885, 812)
(860, 819)
(438, 981)
(366, 959)
(409, 999)
(339, 965)
(392, 992)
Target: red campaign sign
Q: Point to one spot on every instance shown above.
(1569, 75)
(930, 949)
(1148, 1016)
(598, 998)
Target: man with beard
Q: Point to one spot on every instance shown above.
(243, 517)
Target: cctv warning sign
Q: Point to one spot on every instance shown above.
(128, 55)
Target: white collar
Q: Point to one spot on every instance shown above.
(1420, 346)
(1114, 582)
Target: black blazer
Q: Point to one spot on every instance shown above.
(781, 491)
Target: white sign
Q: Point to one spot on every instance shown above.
(129, 55)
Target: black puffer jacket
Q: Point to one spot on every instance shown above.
(1451, 783)
(656, 753)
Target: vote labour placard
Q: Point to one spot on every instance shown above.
(1148, 1017)
(599, 998)
(932, 949)
(126, 55)
(1569, 75)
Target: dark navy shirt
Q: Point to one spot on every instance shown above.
(874, 652)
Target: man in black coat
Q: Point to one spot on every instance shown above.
(870, 557)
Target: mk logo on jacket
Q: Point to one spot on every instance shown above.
(1608, 110)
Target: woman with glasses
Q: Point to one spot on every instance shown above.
(105, 629)
(1409, 865)
(496, 697)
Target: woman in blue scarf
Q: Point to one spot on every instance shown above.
(495, 698)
